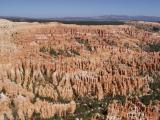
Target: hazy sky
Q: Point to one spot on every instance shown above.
(63, 8)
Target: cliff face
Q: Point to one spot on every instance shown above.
(57, 66)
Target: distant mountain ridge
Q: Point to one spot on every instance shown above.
(96, 18)
(125, 17)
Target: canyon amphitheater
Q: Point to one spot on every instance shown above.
(56, 71)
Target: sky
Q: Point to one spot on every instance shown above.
(78, 8)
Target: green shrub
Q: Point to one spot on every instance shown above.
(49, 99)
(155, 29)
(121, 99)
(55, 117)
(75, 52)
(85, 43)
(52, 52)
(36, 116)
(154, 47)
(154, 86)
(152, 97)
(43, 49)
(81, 41)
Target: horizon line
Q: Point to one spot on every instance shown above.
(78, 16)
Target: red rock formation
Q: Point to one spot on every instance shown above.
(56, 63)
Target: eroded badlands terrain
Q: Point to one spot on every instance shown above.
(53, 71)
